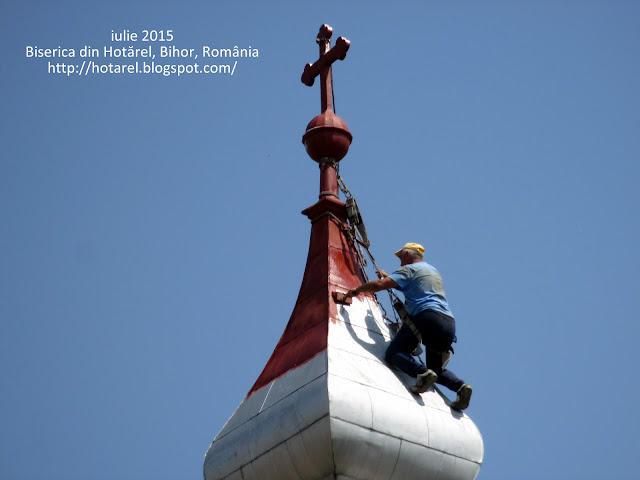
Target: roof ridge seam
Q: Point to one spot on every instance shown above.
(272, 405)
(280, 443)
(408, 441)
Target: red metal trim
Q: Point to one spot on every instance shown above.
(332, 264)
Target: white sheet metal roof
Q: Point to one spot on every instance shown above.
(346, 415)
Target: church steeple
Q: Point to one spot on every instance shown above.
(332, 262)
(326, 406)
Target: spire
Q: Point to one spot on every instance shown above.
(326, 405)
(332, 262)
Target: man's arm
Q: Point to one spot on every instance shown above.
(372, 287)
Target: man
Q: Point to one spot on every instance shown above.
(429, 311)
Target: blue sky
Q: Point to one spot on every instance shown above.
(153, 247)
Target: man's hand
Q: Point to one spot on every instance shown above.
(382, 274)
(351, 293)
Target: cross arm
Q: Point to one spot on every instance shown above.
(338, 52)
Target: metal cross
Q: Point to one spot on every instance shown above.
(322, 66)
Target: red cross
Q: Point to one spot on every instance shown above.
(322, 66)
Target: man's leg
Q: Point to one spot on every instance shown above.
(399, 353)
(449, 379)
(438, 332)
(445, 377)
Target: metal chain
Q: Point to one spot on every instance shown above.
(354, 236)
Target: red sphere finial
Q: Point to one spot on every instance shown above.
(327, 136)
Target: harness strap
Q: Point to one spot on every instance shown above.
(399, 306)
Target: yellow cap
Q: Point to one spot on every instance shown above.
(411, 246)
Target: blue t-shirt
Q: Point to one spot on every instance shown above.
(422, 287)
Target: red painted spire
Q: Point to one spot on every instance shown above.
(332, 262)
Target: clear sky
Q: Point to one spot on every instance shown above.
(152, 242)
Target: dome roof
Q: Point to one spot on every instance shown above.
(327, 405)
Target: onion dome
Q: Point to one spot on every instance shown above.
(326, 405)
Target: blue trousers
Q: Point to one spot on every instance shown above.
(438, 333)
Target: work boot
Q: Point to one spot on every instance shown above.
(424, 381)
(463, 397)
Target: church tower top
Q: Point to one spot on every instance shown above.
(326, 405)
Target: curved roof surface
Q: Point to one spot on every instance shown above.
(326, 405)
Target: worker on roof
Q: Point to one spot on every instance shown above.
(429, 312)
